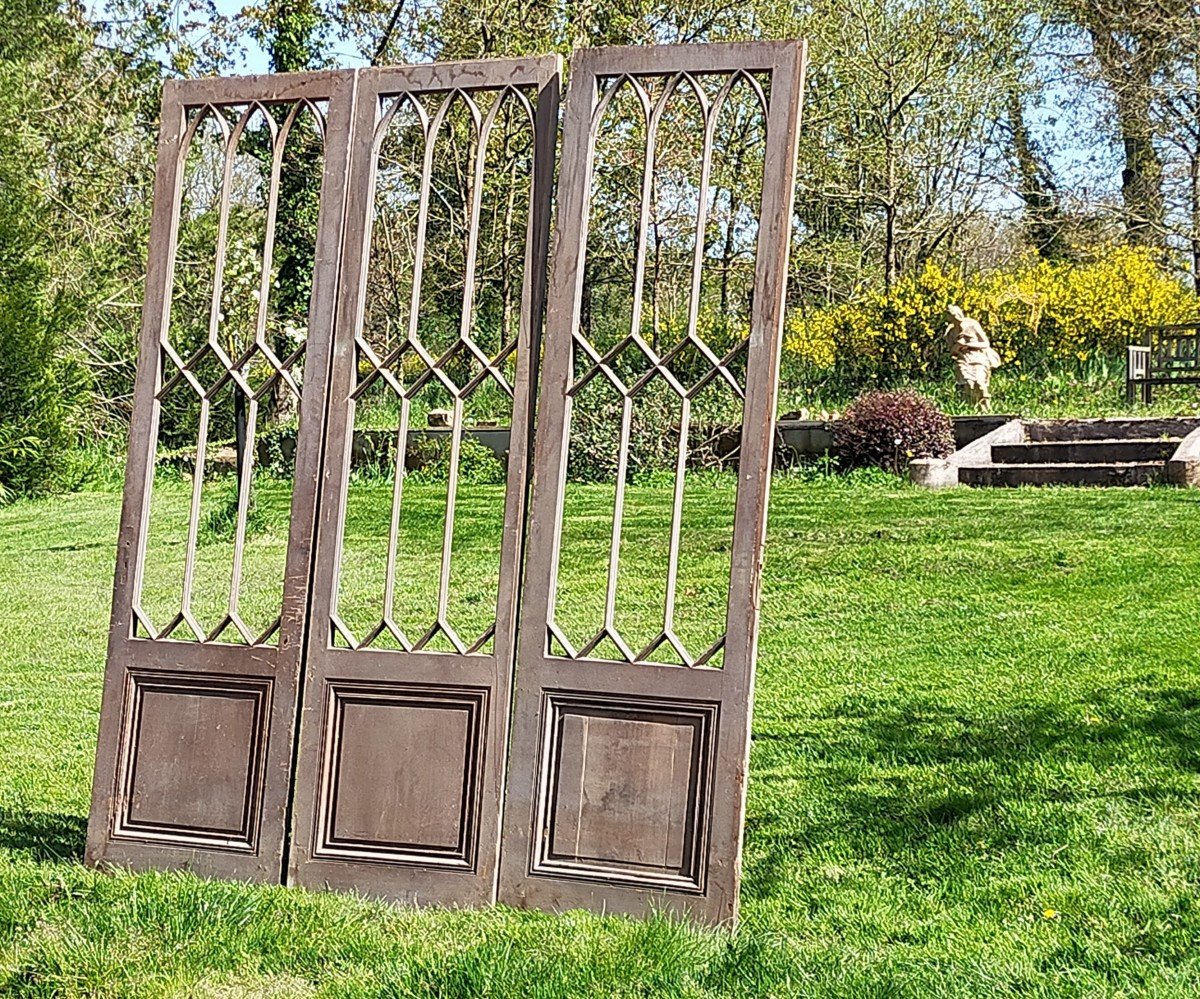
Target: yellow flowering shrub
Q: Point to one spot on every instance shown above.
(1034, 311)
(811, 338)
(1106, 305)
(720, 331)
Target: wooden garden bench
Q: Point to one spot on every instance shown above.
(1169, 355)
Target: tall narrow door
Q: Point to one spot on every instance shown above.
(402, 741)
(212, 581)
(635, 672)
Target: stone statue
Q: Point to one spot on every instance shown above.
(973, 356)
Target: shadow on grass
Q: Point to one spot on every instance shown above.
(43, 836)
(911, 782)
(78, 546)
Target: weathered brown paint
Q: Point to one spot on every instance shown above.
(400, 769)
(193, 765)
(627, 784)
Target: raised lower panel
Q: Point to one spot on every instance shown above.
(625, 790)
(191, 770)
(399, 780)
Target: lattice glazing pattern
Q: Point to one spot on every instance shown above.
(447, 239)
(658, 368)
(231, 374)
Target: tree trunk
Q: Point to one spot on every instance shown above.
(241, 441)
(735, 206)
(1194, 176)
(1043, 216)
(891, 268)
(1142, 177)
(506, 248)
(656, 280)
(727, 250)
(1128, 62)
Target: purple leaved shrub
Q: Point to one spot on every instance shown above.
(888, 429)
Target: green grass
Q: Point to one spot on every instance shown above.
(974, 708)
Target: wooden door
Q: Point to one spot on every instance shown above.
(194, 759)
(402, 738)
(635, 672)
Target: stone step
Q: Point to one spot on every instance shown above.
(1087, 452)
(1128, 428)
(1128, 473)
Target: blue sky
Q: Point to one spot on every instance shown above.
(255, 59)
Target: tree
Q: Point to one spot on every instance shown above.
(74, 171)
(1131, 42)
(900, 124)
(1175, 112)
(294, 35)
(1045, 223)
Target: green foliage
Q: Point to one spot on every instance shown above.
(293, 32)
(477, 464)
(98, 464)
(828, 471)
(899, 93)
(16, 449)
(900, 154)
(275, 449)
(596, 433)
(72, 213)
(42, 386)
(41, 393)
(220, 524)
(1050, 390)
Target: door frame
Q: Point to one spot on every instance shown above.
(472, 689)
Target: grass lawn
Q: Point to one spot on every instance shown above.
(976, 772)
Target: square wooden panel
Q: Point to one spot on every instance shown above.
(400, 775)
(625, 790)
(191, 772)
